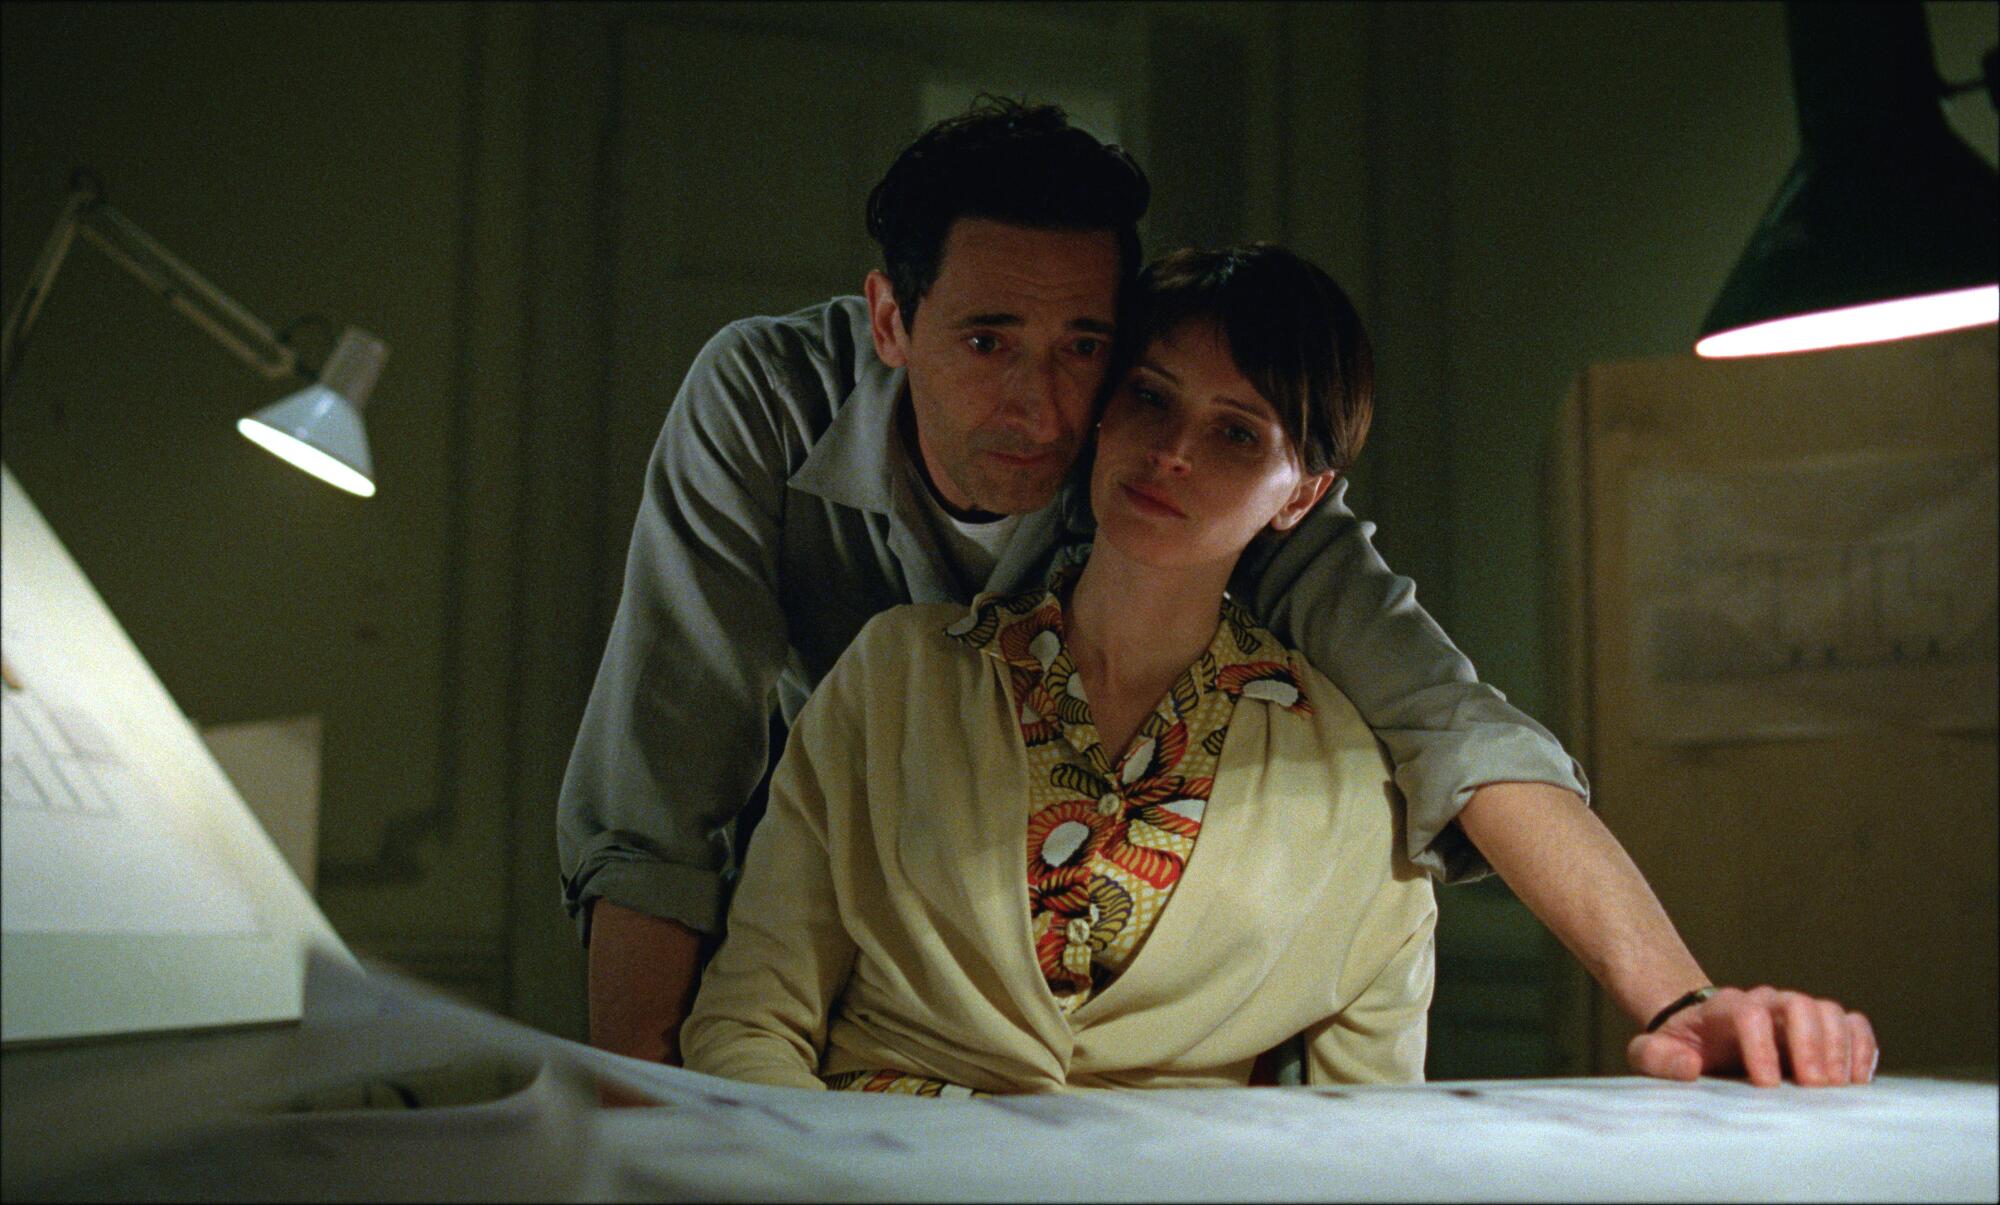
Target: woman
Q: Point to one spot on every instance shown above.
(1109, 833)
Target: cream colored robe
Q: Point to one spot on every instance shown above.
(882, 917)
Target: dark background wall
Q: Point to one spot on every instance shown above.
(545, 209)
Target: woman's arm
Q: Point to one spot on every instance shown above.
(1382, 1035)
(762, 1010)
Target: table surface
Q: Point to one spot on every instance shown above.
(322, 1111)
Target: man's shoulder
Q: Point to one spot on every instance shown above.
(828, 338)
(797, 370)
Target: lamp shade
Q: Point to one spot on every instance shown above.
(319, 428)
(1887, 225)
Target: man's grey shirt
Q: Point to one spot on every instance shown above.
(781, 512)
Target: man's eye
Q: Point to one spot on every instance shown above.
(983, 343)
(1147, 397)
(1089, 348)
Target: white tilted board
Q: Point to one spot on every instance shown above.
(138, 892)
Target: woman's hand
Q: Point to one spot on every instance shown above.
(1764, 1033)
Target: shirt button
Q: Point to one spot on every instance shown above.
(1108, 805)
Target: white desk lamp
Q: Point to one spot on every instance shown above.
(318, 429)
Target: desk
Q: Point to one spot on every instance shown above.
(318, 1111)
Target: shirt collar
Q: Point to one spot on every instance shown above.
(856, 462)
(993, 612)
(1243, 658)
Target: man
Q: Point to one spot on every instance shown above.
(920, 444)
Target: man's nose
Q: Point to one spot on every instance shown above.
(1035, 402)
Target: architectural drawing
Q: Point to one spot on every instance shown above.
(1805, 599)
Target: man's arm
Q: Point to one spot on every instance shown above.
(1463, 754)
(674, 736)
(1326, 592)
(1572, 874)
(1569, 870)
(643, 974)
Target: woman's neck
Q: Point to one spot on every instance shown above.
(1132, 629)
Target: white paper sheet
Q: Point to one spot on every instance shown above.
(86, 845)
(712, 1139)
(137, 892)
(1604, 1139)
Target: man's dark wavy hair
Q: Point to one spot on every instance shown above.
(1010, 162)
(1292, 331)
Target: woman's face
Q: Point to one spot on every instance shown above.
(1192, 461)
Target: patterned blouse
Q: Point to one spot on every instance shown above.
(1108, 835)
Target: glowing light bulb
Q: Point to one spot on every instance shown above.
(303, 455)
(1876, 322)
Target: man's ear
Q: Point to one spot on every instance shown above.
(1310, 490)
(885, 320)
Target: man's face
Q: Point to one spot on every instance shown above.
(1005, 359)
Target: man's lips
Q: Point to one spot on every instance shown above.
(1151, 501)
(1022, 460)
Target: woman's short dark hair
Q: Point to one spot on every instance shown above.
(1008, 162)
(1291, 330)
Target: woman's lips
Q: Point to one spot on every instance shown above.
(1150, 501)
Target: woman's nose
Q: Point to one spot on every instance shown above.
(1169, 451)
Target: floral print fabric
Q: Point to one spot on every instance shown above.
(1109, 834)
(895, 1082)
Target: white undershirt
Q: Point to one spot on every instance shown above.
(974, 548)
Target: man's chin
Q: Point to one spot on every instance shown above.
(1017, 497)
(1012, 485)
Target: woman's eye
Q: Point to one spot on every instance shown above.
(1241, 436)
(983, 343)
(1147, 397)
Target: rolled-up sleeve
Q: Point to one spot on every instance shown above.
(1327, 592)
(674, 737)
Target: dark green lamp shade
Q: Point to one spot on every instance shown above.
(1887, 225)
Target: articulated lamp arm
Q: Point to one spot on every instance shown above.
(318, 429)
(158, 269)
